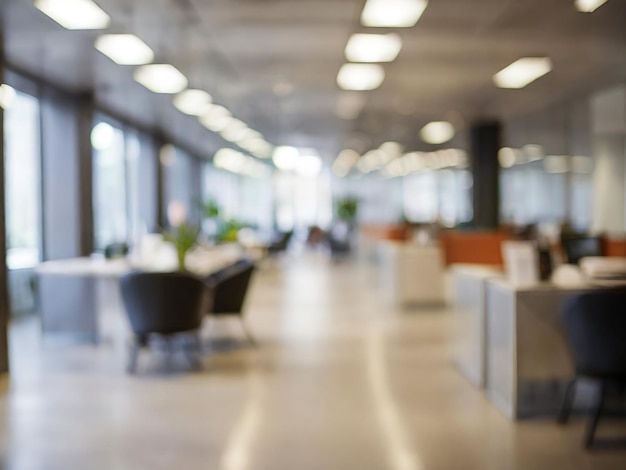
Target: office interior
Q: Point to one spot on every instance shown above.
(383, 219)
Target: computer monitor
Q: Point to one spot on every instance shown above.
(578, 247)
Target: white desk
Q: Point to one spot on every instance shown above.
(527, 359)
(411, 274)
(469, 293)
(76, 294)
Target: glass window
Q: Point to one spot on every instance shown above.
(109, 191)
(22, 181)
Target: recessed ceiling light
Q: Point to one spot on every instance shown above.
(216, 119)
(522, 72)
(102, 136)
(437, 132)
(373, 47)
(360, 77)
(234, 131)
(285, 157)
(74, 14)
(125, 49)
(161, 78)
(392, 13)
(7, 96)
(344, 162)
(589, 6)
(193, 102)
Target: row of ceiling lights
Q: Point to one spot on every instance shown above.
(128, 49)
(366, 49)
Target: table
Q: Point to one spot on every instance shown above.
(75, 295)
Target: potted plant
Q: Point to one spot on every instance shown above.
(347, 210)
(184, 238)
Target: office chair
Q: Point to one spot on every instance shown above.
(228, 288)
(164, 304)
(595, 327)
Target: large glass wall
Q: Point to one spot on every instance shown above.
(124, 183)
(22, 181)
(109, 185)
(550, 190)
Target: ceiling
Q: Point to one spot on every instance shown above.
(274, 64)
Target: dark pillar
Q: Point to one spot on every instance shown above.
(85, 111)
(4, 296)
(485, 143)
(163, 156)
(66, 123)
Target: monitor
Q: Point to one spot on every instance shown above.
(577, 248)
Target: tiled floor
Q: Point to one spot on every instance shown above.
(340, 381)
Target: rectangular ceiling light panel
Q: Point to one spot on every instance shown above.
(373, 47)
(589, 6)
(523, 72)
(393, 13)
(75, 14)
(161, 78)
(124, 49)
(360, 77)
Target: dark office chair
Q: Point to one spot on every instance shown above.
(165, 304)
(595, 327)
(228, 288)
(280, 244)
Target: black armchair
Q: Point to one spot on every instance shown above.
(595, 327)
(165, 304)
(228, 288)
(280, 244)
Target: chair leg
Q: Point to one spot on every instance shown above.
(593, 420)
(135, 346)
(246, 331)
(566, 405)
(193, 351)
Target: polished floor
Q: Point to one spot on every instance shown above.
(340, 381)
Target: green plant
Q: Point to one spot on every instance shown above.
(184, 238)
(229, 230)
(347, 209)
(211, 209)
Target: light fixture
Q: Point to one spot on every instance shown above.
(373, 47)
(193, 102)
(285, 158)
(124, 49)
(392, 13)
(7, 96)
(437, 132)
(74, 14)
(507, 157)
(102, 136)
(234, 131)
(344, 162)
(161, 78)
(522, 72)
(217, 118)
(236, 162)
(555, 164)
(589, 6)
(360, 77)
